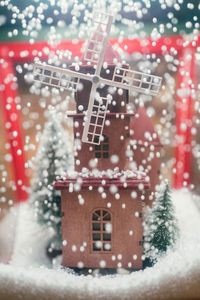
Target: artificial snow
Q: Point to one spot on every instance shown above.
(31, 239)
(175, 276)
(110, 173)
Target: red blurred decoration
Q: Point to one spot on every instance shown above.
(12, 52)
(186, 78)
(9, 102)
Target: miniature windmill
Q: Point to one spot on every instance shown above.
(122, 78)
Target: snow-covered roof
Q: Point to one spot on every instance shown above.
(96, 178)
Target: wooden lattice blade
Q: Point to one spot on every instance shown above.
(95, 118)
(58, 77)
(96, 44)
(136, 81)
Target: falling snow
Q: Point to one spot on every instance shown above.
(30, 273)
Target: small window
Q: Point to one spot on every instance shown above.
(101, 231)
(102, 150)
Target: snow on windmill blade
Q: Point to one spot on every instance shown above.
(122, 77)
(95, 119)
(138, 81)
(56, 77)
(95, 50)
(95, 46)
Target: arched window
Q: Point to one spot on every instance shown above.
(102, 150)
(101, 231)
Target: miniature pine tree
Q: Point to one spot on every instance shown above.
(161, 229)
(53, 159)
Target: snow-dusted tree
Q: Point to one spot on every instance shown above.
(53, 159)
(160, 226)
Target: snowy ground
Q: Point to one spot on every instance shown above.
(177, 276)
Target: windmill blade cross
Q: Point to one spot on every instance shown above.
(66, 79)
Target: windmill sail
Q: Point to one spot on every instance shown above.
(140, 82)
(95, 119)
(56, 77)
(96, 44)
(66, 79)
(94, 53)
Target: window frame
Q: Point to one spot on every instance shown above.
(102, 232)
(102, 150)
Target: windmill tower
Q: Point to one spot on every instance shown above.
(102, 200)
(146, 148)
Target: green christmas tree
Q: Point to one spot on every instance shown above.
(53, 160)
(160, 229)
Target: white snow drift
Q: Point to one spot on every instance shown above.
(177, 275)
